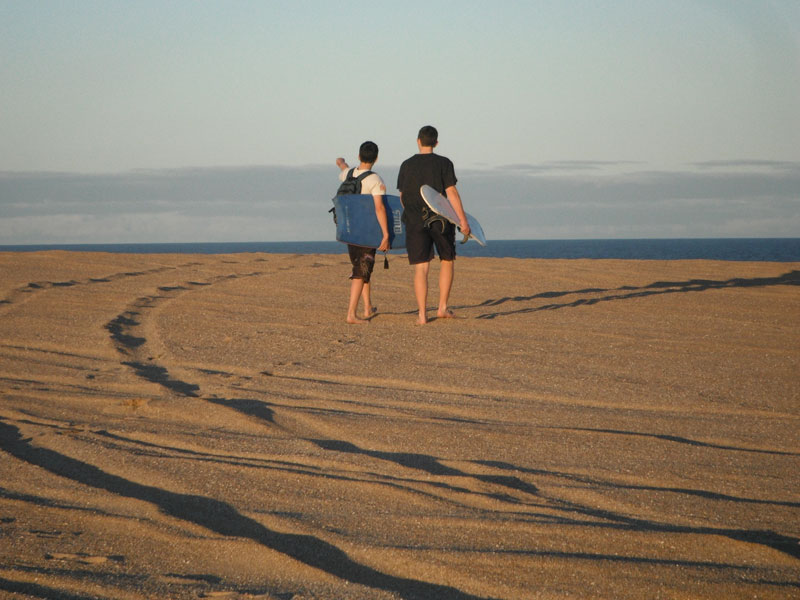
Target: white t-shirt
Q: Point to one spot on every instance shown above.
(371, 184)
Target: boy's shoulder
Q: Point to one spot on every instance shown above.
(427, 157)
(429, 161)
(433, 157)
(373, 184)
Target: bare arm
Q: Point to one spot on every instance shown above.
(342, 164)
(455, 199)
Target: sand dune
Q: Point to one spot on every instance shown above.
(176, 426)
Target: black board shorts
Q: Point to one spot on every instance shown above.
(363, 261)
(421, 240)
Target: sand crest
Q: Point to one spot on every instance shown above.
(191, 426)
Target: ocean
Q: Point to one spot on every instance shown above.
(734, 249)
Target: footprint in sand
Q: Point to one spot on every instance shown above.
(224, 594)
(188, 579)
(86, 559)
(135, 403)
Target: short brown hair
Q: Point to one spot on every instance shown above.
(368, 152)
(428, 136)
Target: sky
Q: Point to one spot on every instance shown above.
(200, 121)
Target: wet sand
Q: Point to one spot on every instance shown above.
(208, 426)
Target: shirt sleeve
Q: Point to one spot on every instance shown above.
(373, 184)
(449, 178)
(400, 177)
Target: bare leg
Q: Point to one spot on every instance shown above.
(445, 284)
(367, 298)
(356, 286)
(421, 290)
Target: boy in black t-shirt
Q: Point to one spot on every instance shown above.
(438, 172)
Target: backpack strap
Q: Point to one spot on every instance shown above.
(360, 177)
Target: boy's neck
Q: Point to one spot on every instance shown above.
(425, 149)
(365, 166)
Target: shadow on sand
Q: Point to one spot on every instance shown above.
(224, 519)
(630, 292)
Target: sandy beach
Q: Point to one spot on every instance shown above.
(208, 426)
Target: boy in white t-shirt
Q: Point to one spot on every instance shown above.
(363, 259)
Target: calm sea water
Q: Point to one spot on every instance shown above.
(757, 249)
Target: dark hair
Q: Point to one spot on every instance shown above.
(428, 136)
(368, 152)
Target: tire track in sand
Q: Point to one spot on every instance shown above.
(127, 333)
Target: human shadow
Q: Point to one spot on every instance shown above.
(629, 292)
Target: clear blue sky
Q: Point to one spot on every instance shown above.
(555, 113)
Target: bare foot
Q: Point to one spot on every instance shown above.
(371, 313)
(422, 319)
(446, 314)
(356, 321)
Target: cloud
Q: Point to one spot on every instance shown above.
(778, 165)
(711, 202)
(560, 199)
(644, 187)
(560, 166)
(184, 205)
(210, 192)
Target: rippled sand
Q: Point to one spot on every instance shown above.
(193, 426)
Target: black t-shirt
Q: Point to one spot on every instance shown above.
(423, 169)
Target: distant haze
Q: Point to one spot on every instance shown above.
(291, 203)
(192, 121)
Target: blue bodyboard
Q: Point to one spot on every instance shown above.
(357, 224)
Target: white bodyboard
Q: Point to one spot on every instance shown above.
(441, 206)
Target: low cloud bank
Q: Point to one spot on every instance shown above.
(558, 200)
